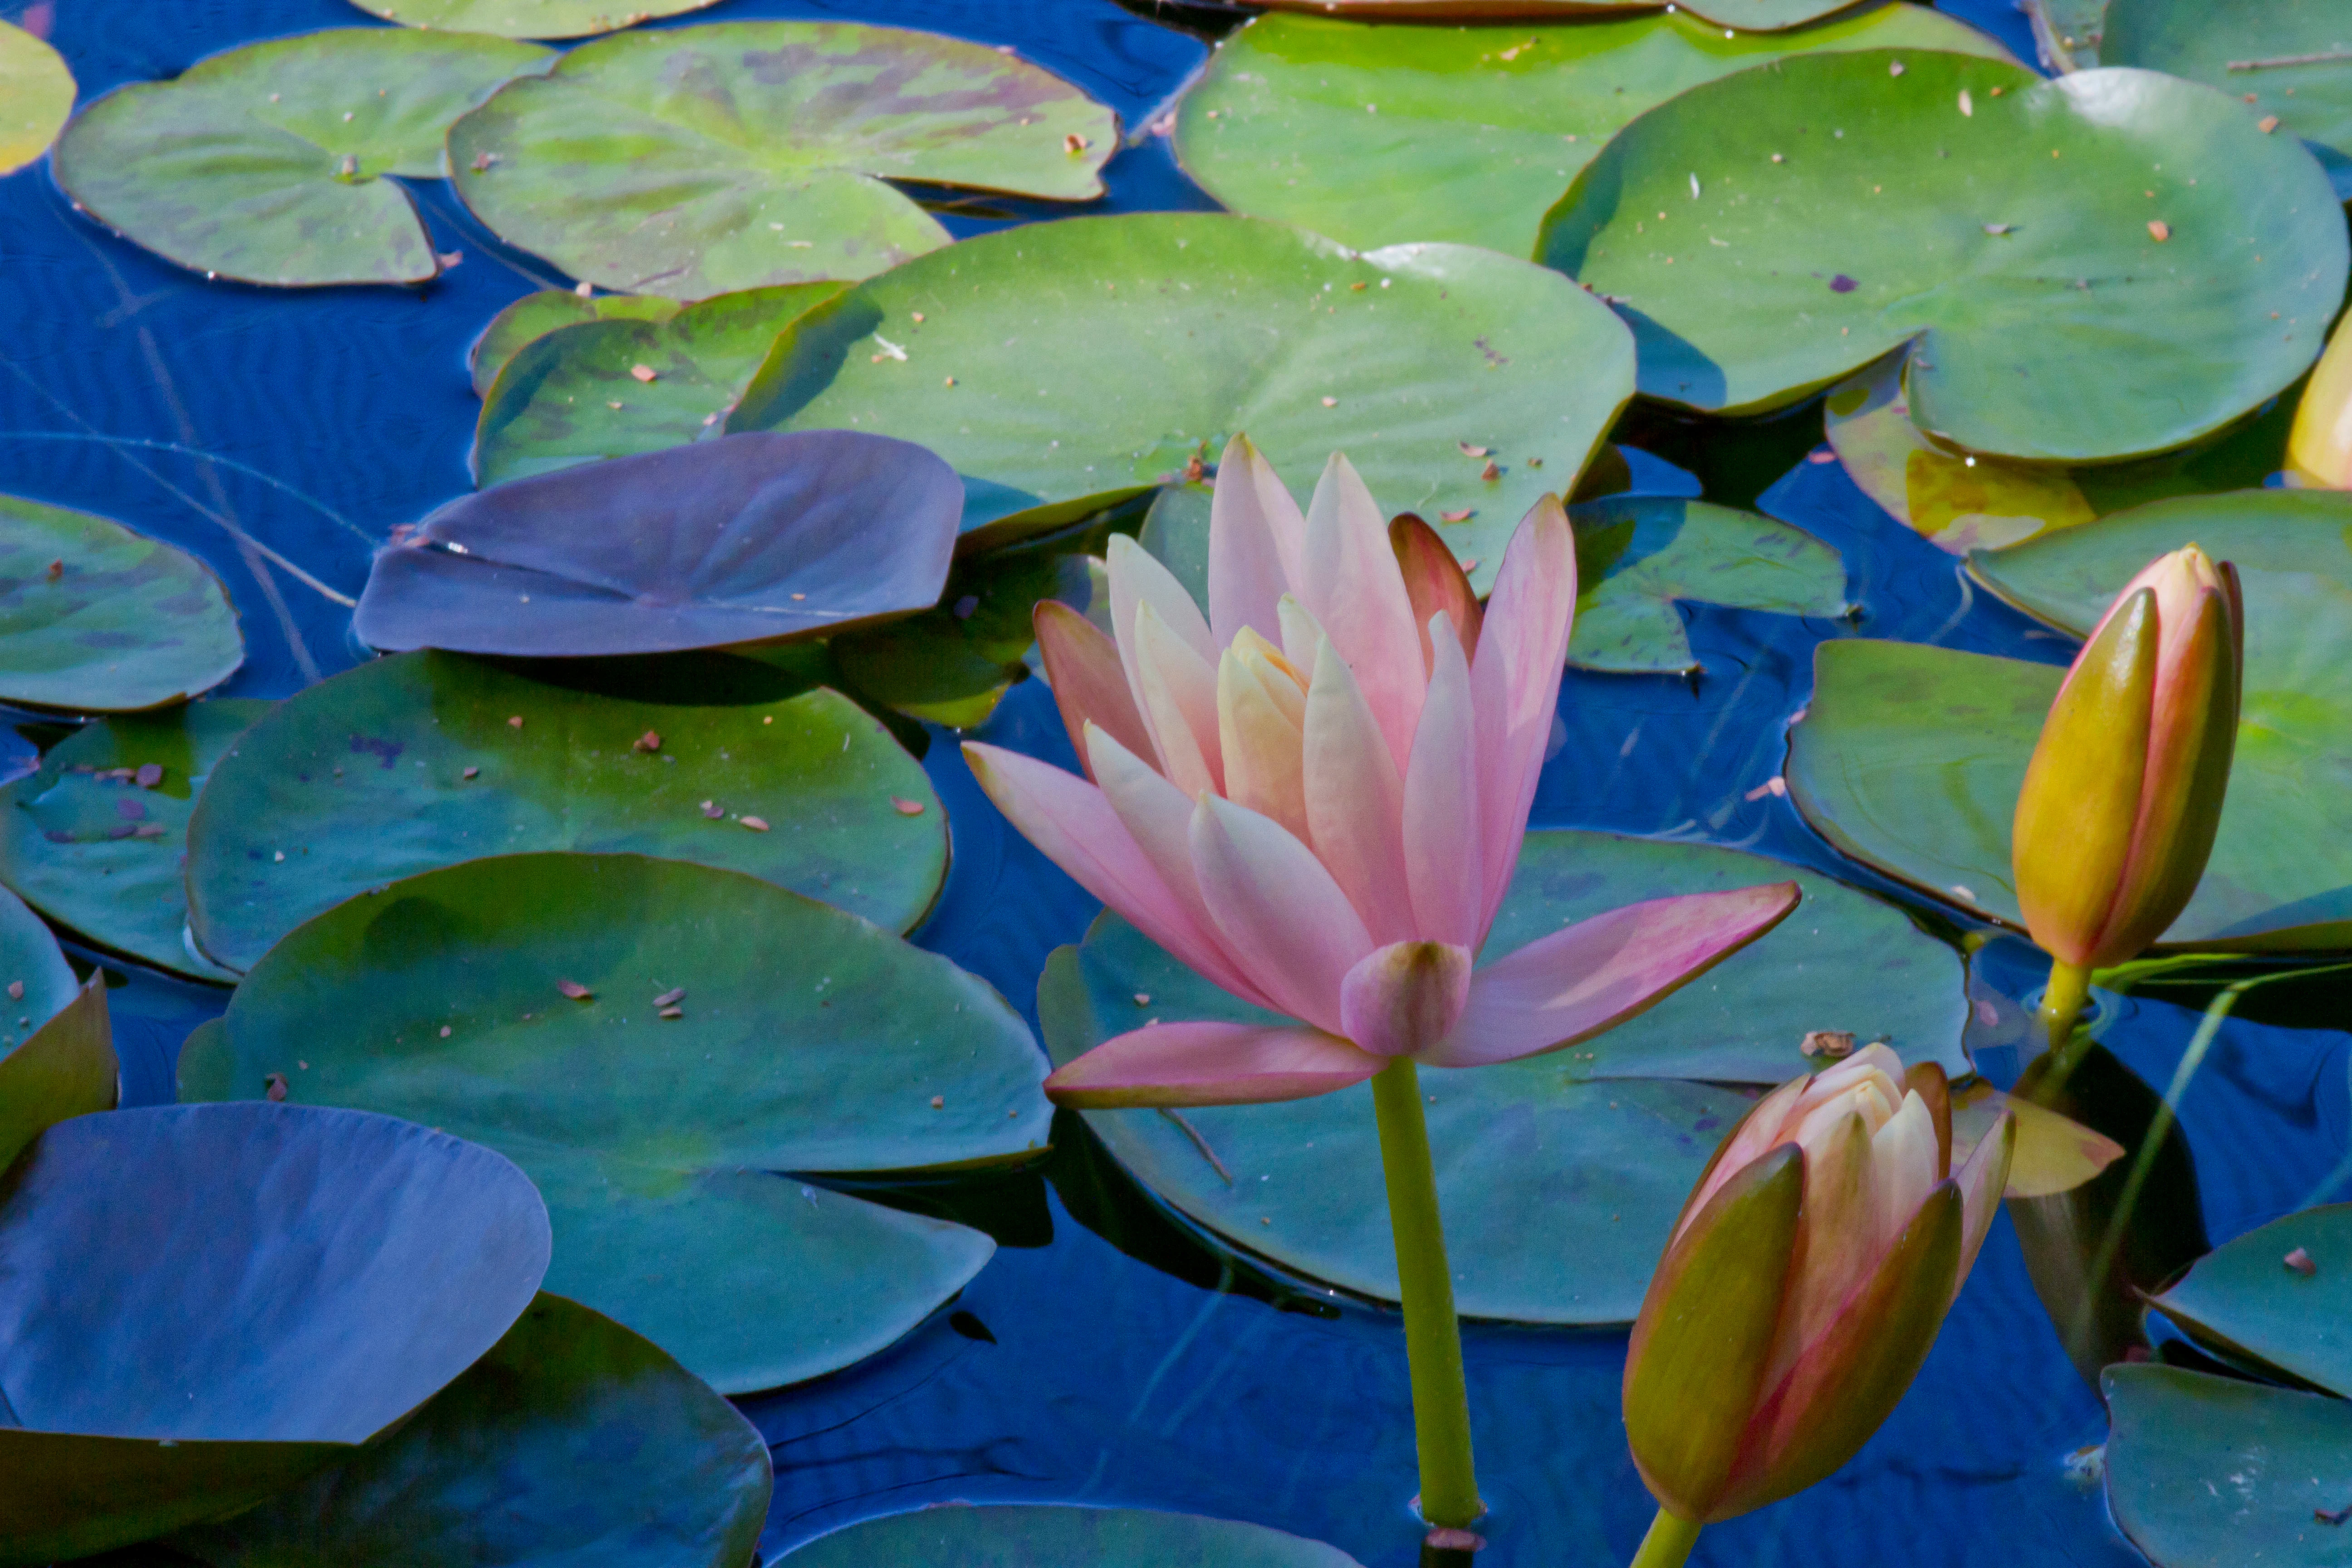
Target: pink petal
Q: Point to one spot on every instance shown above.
(1137, 579)
(1210, 1063)
(1981, 1179)
(1404, 998)
(1351, 584)
(1177, 691)
(1255, 539)
(1284, 918)
(1434, 581)
(1572, 984)
(1442, 802)
(1355, 800)
(1088, 682)
(1762, 1130)
(1515, 681)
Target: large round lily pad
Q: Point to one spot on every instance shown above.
(2244, 1301)
(1042, 1536)
(1026, 371)
(36, 93)
(198, 1304)
(1374, 135)
(2289, 61)
(613, 386)
(534, 316)
(415, 761)
(95, 619)
(86, 843)
(693, 162)
(2024, 237)
(1604, 1139)
(805, 1040)
(269, 162)
(527, 18)
(572, 1442)
(1738, 13)
(2207, 1472)
(751, 538)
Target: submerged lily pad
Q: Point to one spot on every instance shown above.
(573, 1441)
(738, 154)
(36, 93)
(2243, 1300)
(611, 387)
(750, 539)
(2289, 61)
(171, 1352)
(62, 1067)
(85, 843)
(527, 18)
(524, 1002)
(415, 761)
(95, 619)
(1605, 1139)
(2205, 1471)
(1036, 1535)
(270, 162)
(1024, 371)
(535, 315)
(2000, 224)
(1373, 135)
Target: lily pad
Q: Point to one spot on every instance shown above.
(1605, 1139)
(2243, 1300)
(2001, 226)
(527, 18)
(611, 387)
(1758, 14)
(36, 93)
(1373, 135)
(573, 1441)
(2066, 33)
(2289, 61)
(1034, 1535)
(738, 154)
(63, 1067)
(95, 619)
(413, 761)
(806, 1040)
(2205, 1471)
(1023, 372)
(85, 844)
(535, 315)
(750, 539)
(171, 1355)
(273, 163)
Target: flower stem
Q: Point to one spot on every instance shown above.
(2062, 1005)
(1669, 1541)
(1432, 1337)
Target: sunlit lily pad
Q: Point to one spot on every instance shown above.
(1605, 1138)
(608, 388)
(1741, 12)
(2026, 237)
(1041, 1536)
(271, 163)
(573, 1441)
(535, 315)
(1024, 371)
(750, 538)
(527, 18)
(1374, 135)
(62, 1066)
(2289, 61)
(519, 1002)
(95, 619)
(199, 1304)
(85, 844)
(416, 761)
(693, 162)
(36, 93)
(2207, 1472)
(2246, 1300)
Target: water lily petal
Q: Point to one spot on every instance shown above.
(1515, 683)
(1257, 536)
(1210, 1063)
(1404, 998)
(1282, 917)
(1434, 581)
(1442, 841)
(1763, 1128)
(1301, 636)
(1259, 740)
(1903, 1156)
(1355, 799)
(1176, 689)
(1088, 682)
(1351, 584)
(1981, 1179)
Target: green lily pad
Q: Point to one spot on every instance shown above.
(1999, 225)
(1023, 372)
(1761, 14)
(72, 847)
(95, 619)
(363, 779)
(808, 1040)
(2289, 61)
(575, 394)
(269, 162)
(527, 18)
(2243, 1300)
(535, 315)
(1034, 1535)
(573, 1441)
(36, 93)
(1605, 1139)
(2206, 1472)
(1374, 135)
(64, 1066)
(741, 154)
(2066, 33)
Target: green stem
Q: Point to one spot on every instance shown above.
(2062, 1005)
(1669, 1541)
(1432, 1337)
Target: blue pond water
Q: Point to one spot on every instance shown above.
(1105, 1355)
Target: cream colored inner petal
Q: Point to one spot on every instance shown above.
(1261, 715)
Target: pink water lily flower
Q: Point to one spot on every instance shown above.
(1314, 796)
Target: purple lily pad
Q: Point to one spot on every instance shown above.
(752, 538)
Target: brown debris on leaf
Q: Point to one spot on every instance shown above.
(905, 807)
(648, 741)
(2300, 1261)
(149, 776)
(577, 992)
(276, 1083)
(1833, 1044)
(756, 824)
(670, 998)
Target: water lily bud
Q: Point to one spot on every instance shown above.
(1804, 1281)
(2319, 447)
(2124, 793)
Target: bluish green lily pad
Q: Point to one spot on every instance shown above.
(36, 93)
(957, 1535)
(2026, 239)
(95, 619)
(2289, 61)
(274, 162)
(527, 18)
(534, 316)
(415, 761)
(656, 1043)
(2245, 1300)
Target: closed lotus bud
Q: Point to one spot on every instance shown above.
(2124, 793)
(1804, 1281)
(2319, 448)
